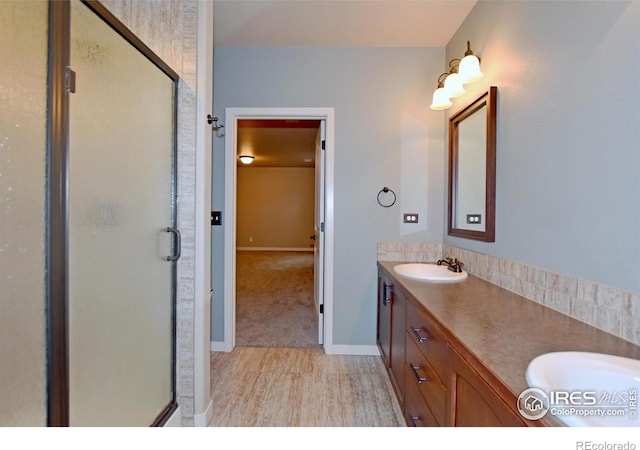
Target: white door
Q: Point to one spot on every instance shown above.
(318, 232)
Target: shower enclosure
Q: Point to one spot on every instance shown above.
(89, 241)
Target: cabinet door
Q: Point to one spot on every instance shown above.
(416, 411)
(422, 377)
(397, 342)
(474, 403)
(384, 319)
(424, 334)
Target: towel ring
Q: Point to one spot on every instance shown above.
(384, 190)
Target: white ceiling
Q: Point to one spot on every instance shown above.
(337, 23)
(326, 23)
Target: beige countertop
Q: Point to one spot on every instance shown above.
(504, 330)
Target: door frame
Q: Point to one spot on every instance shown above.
(232, 115)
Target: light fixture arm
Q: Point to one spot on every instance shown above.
(469, 52)
(441, 79)
(453, 65)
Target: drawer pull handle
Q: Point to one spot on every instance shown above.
(387, 294)
(415, 369)
(415, 419)
(416, 331)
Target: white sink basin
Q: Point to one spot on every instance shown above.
(588, 389)
(429, 272)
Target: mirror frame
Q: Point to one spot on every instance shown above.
(487, 99)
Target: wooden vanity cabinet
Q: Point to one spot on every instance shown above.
(390, 334)
(416, 411)
(426, 370)
(383, 334)
(428, 339)
(473, 402)
(436, 380)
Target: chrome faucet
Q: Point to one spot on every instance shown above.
(453, 264)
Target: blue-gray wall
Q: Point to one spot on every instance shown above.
(568, 165)
(568, 170)
(385, 135)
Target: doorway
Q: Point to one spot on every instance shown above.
(276, 193)
(322, 245)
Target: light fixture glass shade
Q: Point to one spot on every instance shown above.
(246, 159)
(453, 85)
(440, 100)
(469, 69)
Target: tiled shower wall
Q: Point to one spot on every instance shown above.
(170, 29)
(605, 307)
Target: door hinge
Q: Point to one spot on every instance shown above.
(323, 145)
(322, 309)
(70, 80)
(322, 227)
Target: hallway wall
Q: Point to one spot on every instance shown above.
(275, 207)
(385, 135)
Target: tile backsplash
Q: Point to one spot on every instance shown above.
(605, 307)
(409, 251)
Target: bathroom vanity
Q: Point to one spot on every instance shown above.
(457, 353)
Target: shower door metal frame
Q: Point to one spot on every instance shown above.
(57, 214)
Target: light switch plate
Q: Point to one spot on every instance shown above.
(216, 217)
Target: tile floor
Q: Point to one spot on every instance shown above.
(300, 387)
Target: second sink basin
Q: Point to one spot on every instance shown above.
(588, 389)
(429, 272)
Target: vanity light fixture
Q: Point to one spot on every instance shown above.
(453, 81)
(246, 159)
(469, 68)
(450, 85)
(441, 99)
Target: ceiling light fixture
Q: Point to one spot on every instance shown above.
(450, 84)
(246, 159)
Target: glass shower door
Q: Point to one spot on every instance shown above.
(122, 240)
(23, 115)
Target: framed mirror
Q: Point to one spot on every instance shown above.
(472, 169)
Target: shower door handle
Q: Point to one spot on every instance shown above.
(178, 244)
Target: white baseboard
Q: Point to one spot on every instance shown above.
(219, 346)
(175, 420)
(363, 350)
(203, 419)
(274, 249)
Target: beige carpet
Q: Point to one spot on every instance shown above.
(274, 300)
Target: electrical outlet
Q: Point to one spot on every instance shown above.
(474, 219)
(410, 217)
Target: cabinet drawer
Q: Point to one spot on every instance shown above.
(428, 341)
(420, 374)
(416, 411)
